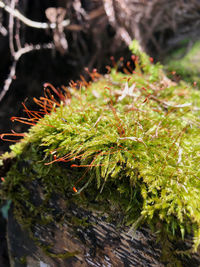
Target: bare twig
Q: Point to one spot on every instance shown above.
(34, 24)
(14, 13)
(8, 81)
(17, 55)
(29, 48)
(11, 28)
(17, 35)
(3, 30)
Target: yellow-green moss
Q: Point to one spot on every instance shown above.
(130, 142)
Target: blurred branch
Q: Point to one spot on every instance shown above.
(9, 79)
(18, 54)
(11, 28)
(3, 30)
(14, 13)
(34, 24)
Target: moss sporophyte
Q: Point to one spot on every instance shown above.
(130, 140)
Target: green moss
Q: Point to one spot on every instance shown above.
(66, 255)
(23, 260)
(185, 62)
(129, 142)
(79, 222)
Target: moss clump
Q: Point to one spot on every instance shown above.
(185, 62)
(129, 141)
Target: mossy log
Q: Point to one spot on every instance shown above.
(119, 153)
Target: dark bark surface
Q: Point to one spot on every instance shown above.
(98, 244)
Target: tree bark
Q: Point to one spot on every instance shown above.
(80, 237)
